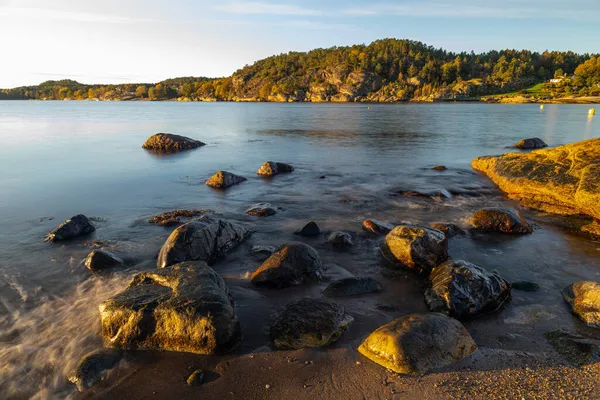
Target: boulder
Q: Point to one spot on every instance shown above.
(377, 227)
(261, 210)
(79, 225)
(417, 343)
(504, 220)
(531, 143)
(415, 247)
(94, 367)
(584, 300)
(309, 230)
(271, 168)
(577, 349)
(352, 287)
(186, 307)
(169, 143)
(205, 239)
(224, 179)
(309, 323)
(450, 230)
(292, 264)
(99, 260)
(464, 290)
(340, 240)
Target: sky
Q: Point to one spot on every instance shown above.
(117, 41)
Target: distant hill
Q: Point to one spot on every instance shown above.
(387, 70)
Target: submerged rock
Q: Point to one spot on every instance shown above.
(377, 227)
(340, 240)
(434, 194)
(79, 225)
(271, 168)
(465, 290)
(450, 230)
(205, 239)
(439, 168)
(417, 343)
(525, 286)
(309, 230)
(352, 287)
(531, 143)
(186, 307)
(263, 252)
(99, 260)
(415, 247)
(224, 179)
(94, 367)
(169, 143)
(261, 210)
(292, 264)
(504, 220)
(584, 300)
(309, 323)
(576, 348)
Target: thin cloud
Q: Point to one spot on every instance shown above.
(257, 8)
(48, 14)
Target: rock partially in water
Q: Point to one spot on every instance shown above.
(433, 194)
(94, 367)
(415, 247)
(439, 168)
(224, 179)
(77, 226)
(530, 143)
(100, 260)
(464, 290)
(292, 264)
(576, 348)
(196, 378)
(377, 227)
(584, 300)
(271, 168)
(177, 217)
(309, 323)
(262, 252)
(352, 287)
(309, 230)
(417, 343)
(186, 307)
(169, 143)
(504, 220)
(261, 210)
(525, 286)
(205, 239)
(450, 230)
(341, 240)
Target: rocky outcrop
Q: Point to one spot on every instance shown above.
(417, 343)
(415, 247)
(577, 349)
(584, 300)
(224, 179)
(354, 286)
(377, 227)
(169, 143)
(271, 168)
(309, 323)
(309, 230)
(340, 240)
(504, 220)
(94, 367)
(186, 307)
(464, 290)
(79, 225)
(261, 210)
(531, 143)
(292, 264)
(100, 260)
(205, 239)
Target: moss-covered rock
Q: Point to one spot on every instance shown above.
(169, 143)
(415, 247)
(584, 300)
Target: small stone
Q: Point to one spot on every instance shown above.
(267, 386)
(196, 378)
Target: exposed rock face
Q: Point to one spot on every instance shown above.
(99, 260)
(531, 143)
(309, 323)
(94, 367)
(271, 168)
(417, 343)
(341, 240)
(465, 290)
(576, 348)
(377, 227)
(205, 239)
(169, 143)
(584, 300)
(186, 307)
(450, 230)
(352, 287)
(224, 179)
(309, 230)
(78, 225)
(504, 220)
(563, 180)
(418, 248)
(261, 210)
(292, 264)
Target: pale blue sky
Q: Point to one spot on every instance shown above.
(150, 40)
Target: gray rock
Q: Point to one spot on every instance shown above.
(271, 168)
(415, 247)
(576, 348)
(504, 220)
(309, 230)
(261, 210)
(377, 227)
(584, 300)
(94, 367)
(531, 143)
(352, 287)
(99, 260)
(224, 179)
(79, 225)
(340, 240)
(169, 143)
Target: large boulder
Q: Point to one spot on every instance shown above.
(418, 248)
(94, 367)
(584, 300)
(417, 343)
(465, 290)
(309, 323)
(186, 307)
(205, 239)
(530, 143)
(169, 143)
(504, 220)
(79, 225)
(100, 260)
(292, 264)
(271, 168)
(353, 286)
(224, 179)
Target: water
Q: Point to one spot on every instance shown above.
(59, 159)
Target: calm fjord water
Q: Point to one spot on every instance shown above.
(59, 159)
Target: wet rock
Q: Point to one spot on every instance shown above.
(196, 378)
(292, 264)
(450, 230)
(186, 307)
(177, 217)
(531, 143)
(433, 194)
(464, 290)
(505, 220)
(352, 287)
(79, 225)
(169, 143)
(377, 227)
(584, 300)
(340, 240)
(261, 210)
(525, 286)
(94, 367)
(576, 348)
(99, 260)
(271, 168)
(439, 168)
(263, 252)
(309, 230)
(415, 247)
(224, 179)
(309, 323)
(417, 343)
(205, 239)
